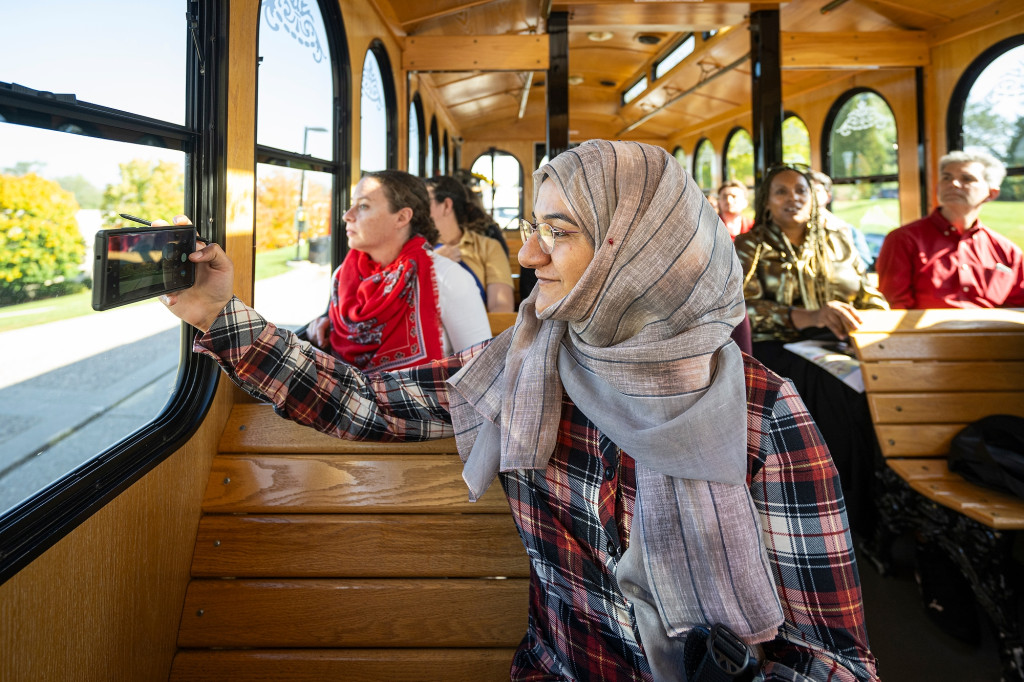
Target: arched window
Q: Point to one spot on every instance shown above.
(298, 183)
(796, 141)
(680, 154)
(433, 151)
(861, 157)
(739, 157)
(417, 132)
(704, 162)
(987, 113)
(445, 170)
(502, 185)
(377, 148)
(90, 401)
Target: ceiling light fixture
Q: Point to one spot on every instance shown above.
(575, 79)
(600, 36)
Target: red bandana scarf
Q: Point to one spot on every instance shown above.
(386, 317)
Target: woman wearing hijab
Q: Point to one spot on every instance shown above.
(615, 415)
(394, 302)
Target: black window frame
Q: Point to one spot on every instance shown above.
(725, 152)
(37, 523)
(387, 82)
(421, 131)
(958, 100)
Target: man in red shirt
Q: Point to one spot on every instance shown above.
(949, 259)
(732, 201)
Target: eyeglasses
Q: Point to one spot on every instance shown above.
(546, 235)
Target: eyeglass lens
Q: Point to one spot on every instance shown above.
(545, 237)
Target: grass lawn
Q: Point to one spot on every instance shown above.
(880, 216)
(268, 264)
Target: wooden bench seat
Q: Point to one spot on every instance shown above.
(320, 558)
(927, 374)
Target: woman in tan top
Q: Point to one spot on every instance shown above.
(462, 226)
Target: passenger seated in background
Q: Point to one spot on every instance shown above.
(822, 185)
(614, 414)
(462, 226)
(732, 201)
(394, 302)
(472, 186)
(804, 279)
(949, 259)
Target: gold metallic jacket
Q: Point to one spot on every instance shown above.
(773, 287)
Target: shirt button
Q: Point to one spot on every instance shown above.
(609, 473)
(611, 549)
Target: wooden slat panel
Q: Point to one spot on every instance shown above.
(919, 469)
(990, 507)
(916, 440)
(255, 428)
(823, 50)
(319, 484)
(941, 319)
(354, 613)
(401, 545)
(943, 376)
(939, 346)
(942, 408)
(350, 665)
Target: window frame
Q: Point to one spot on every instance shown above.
(826, 141)
(417, 106)
(387, 83)
(40, 521)
(958, 100)
(725, 153)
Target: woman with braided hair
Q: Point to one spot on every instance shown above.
(803, 279)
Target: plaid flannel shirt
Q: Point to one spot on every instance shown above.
(574, 516)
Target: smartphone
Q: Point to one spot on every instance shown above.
(132, 264)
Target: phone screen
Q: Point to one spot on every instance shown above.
(138, 263)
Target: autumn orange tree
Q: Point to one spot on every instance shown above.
(41, 247)
(277, 200)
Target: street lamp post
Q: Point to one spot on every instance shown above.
(300, 212)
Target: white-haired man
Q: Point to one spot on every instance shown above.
(949, 259)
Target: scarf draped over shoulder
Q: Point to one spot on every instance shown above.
(641, 345)
(386, 317)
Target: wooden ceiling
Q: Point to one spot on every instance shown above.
(486, 60)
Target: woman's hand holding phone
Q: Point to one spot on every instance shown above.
(200, 304)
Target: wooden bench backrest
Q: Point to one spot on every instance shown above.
(322, 558)
(927, 374)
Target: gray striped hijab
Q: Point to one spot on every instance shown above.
(642, 346)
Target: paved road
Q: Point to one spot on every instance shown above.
(72, 388)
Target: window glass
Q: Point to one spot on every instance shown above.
(444, 154)
(294, 200)
(704, 163)
(50, 51)
(863, 159)
(680, 155)
(796, 141)
(634, 90)
(415, 134)
(373, 119)
(681, 52)
(293, 236)
(76, 381)
(993, 121)
(296, 91)
(501, 179)
(739, 158)
(432, 150)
